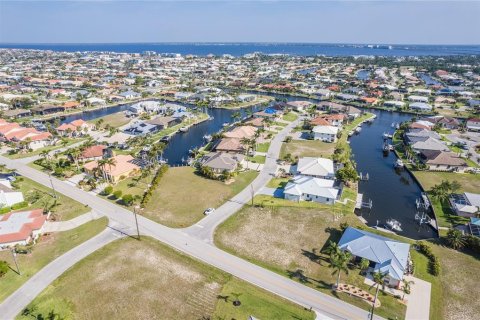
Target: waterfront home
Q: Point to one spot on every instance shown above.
(316, 167)
(75, 128)
(415, 134)
(183, 95)
(94, 101)
(420, 106)
(220, 161)
(466, 204)
(474, 226)
(29, 138)
(8, 196)
(444, 122)
(325, 133)
(299, 105)
(347, 97)
(437, 160)
(44, 110)
(422, 125)
(256, 122)
(418, 99)
(230, 145)
(335, 120)
(71, 105)
(473, 103)
(305, 188)
(129, 94)
(140, 128)
(164, 122)
(323, 94)
(331, 107)
(21, 228)
(124, 167)
(386, 256)
(266, 115)
(429, 144)
(393, 104)
(241, 132)
(246, 98)
(473, 124)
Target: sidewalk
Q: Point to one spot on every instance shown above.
(54, 226)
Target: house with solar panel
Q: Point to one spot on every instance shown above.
(386, 256)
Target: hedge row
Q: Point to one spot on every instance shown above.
(156, 180)
(433, 264)
(16, 206)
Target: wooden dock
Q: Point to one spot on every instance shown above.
(359, 201)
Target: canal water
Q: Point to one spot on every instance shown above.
(363, 74)
(393, 193)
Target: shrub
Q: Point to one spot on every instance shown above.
(433, 264)
(127, 199)
(20, 205)
(117, 194)
(108, 190)
(4, 210)
(156, 180)
(3, 268)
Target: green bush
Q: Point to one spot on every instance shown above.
(156, 180)
(20, 205)
(127, 199)
(117, 194)
(433, 264)
(4, 210)
(108, 190)
(3, 268)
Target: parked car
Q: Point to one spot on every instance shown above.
(209, 211)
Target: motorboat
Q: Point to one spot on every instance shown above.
(183, 129)
(358, 129)
(387, 136)
(399, 163)
(394, 225)
(207, 137)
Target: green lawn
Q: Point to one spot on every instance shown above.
(46, 250)
(257, 159)
(307, 148)
(469, 182)
(263, 147)
(291, 116)
(130, 279)
(64, 208)
(278, 182)
(258, 235)
(115, 120)
(182, 196)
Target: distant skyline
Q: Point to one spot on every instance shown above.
(307, 21)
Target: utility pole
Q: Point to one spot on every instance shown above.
(51, 183)
(136, 220)
(14, 255)
(251, 192)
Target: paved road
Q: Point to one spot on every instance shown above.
(182, 240)
(205, 228)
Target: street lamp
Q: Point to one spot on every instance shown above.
(14, 255)
(137, 207)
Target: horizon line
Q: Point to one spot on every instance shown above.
(240, 42)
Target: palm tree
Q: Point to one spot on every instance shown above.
(455, 239)
(339, 263)
(75, 153)
(236, 116)
(246, 143)
(101, 165)
(406, 287)
(333, 248)
(379, 280)
(110, 162)
(364, 264)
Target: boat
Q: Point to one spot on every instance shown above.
(358, 129)
(425, 200)
(399, 164)
(397, 126)
(390, 147)
(226, 124)
(387, 136)
(207, 137)
(165, 139)
(183, 129)
(394, 225)
(393, 124)
(350, 133)
(385, 149)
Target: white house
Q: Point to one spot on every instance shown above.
(418, 99)
(21, 228)
(393, 104)
(466, 204)
(304, 188)
(246, 97)
(8, 196)
(473, 124)
(325, 133)
(420, 106)
(316, 167)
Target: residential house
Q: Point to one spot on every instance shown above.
(316, 167)
(246, 98)
(129, 94)
(140, 128)
(473, 124)
(21, 228)
(8, 196)
(220, 161)
(325, 133)
(308, 188)
(164, 122)
(420, 106)
(75, 128)
(466, 204)
(299, 105)
(96, 152)
(437, 160)
(231, 145)
(124, 167)
(386, 256)
(44, 110)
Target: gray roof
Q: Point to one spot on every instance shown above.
(221, 161)
(390, 256)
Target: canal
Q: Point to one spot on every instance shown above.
(393, 193)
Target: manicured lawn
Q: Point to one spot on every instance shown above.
(65, 208)
(263, 147)
(259, 235)
(445, 215)
(278, 182)
(115, 120)
(130, 279)
(47, 249)
(257, 159)
(469, 182)
(307, 148)
(182, 196)
(291, 116)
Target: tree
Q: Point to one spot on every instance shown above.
(333, 248)
(364, 264)
(455, 239)
(347, 173)
(108, 190)
(339, 263)
(443, 190)
(117, 194)
(379, 280)
(406, 287)
(127, 199)
(3, 268)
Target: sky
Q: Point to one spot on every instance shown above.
(318, 21)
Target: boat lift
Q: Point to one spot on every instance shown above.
(365, 177)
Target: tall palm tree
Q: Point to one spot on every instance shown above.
(339, 263)
(246, 143)
(75, 154)
(455, 239)
(110, 162)
(333, 248)
(101, 165)
(379, 280)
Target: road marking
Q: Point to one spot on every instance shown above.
(199, 226)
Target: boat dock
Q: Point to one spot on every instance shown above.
(358, 203)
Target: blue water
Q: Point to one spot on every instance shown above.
(238, 49)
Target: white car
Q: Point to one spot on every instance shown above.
(208, 211)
